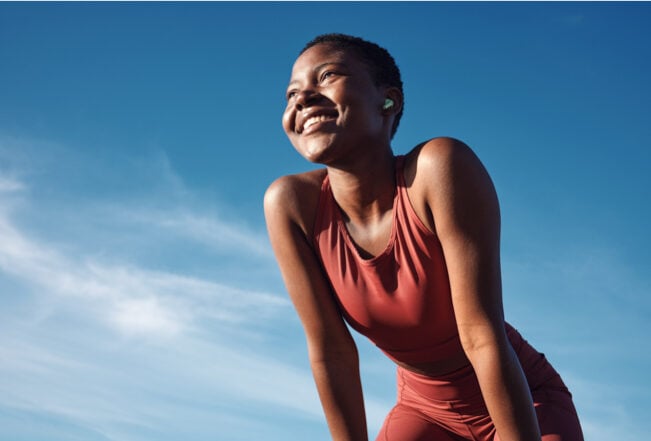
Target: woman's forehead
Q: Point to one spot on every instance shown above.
(324, 53)
(319, 52)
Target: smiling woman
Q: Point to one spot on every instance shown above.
(335, 92)
(406, 250)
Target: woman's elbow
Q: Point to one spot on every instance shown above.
(481, 344)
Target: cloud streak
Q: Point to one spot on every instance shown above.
(208, 231)
(133, 299)
(105, 342)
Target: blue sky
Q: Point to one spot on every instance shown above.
(139, 299)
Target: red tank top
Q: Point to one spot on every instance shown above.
(399, 299)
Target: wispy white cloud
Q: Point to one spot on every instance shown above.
(122, 291)
(107, 341)
(135, 300)
(205, 230)
(10, 185)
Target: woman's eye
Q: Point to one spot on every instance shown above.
(326, 75)
(291, 94)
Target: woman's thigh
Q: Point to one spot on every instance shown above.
(557, 419)
(406, 424)
(557, 416)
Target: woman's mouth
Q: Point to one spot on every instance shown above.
(311, 122)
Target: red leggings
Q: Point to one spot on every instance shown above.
(451, 407)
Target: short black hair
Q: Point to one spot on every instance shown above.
(382, 66)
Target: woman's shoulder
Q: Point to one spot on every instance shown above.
(295, 197)
(295, 187)
(437, 152)
(441, 159)
(441, 173)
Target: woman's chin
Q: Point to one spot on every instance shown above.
(316, 149)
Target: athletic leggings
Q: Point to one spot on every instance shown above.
(451, 407)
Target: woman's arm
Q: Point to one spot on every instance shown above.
(332, 351)
(466, 215)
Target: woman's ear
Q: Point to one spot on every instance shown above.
(392, 101)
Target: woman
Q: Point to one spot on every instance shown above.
(406, 249)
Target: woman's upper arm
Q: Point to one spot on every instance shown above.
(289, 231)
(464, 206)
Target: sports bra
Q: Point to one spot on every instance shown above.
(400, 299)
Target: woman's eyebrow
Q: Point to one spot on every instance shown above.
(322, 65)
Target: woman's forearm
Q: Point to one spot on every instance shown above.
(506, 393)
(340, 390)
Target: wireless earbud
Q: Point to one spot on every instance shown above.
(388, 103)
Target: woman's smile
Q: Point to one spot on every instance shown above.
(313, 119)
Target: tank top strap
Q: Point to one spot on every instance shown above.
(325, 183)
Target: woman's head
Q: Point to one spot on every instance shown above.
(382, 67)
(342, 95)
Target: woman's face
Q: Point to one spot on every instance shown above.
(333, 104)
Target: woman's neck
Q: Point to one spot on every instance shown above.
(365, 189)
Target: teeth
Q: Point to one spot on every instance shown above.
(315, 119)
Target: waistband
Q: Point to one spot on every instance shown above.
(463, 382)
(450, 387)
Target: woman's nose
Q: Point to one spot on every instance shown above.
(304, 98)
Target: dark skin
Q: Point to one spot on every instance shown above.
(335, 117)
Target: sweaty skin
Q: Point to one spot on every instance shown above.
(334, 117)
